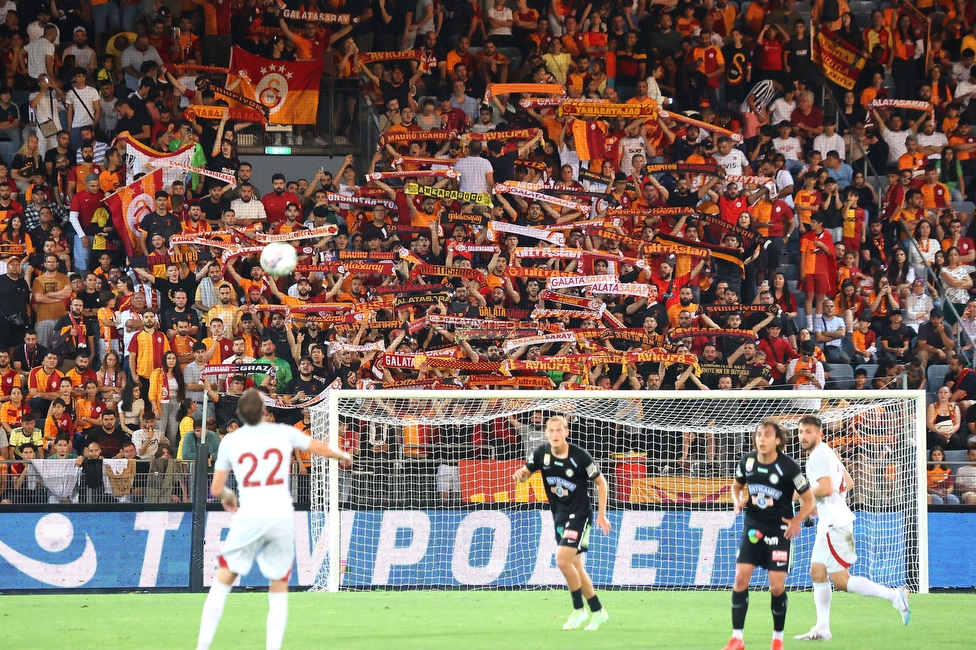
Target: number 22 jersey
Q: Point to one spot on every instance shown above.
(770, 489)
(260, 456)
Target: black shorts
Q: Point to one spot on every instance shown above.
(771, 551)
(572, 529)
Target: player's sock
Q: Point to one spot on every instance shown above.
(864, 587)
(821, 598)
(740, 605)
(277, 618)
(594, 603)
(577, 598)
(777, 605)
(778, 636)
(213, 609)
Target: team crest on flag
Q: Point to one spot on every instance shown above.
(288, 90)
(130, 204)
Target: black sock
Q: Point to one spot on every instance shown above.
(777, 605)
(594, 603)
(740, 605)
(577, 598)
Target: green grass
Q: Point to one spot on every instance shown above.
(470, 620)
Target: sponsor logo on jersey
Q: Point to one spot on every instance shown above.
(570, 534)
(560, 486)
(762, 470)
(772, 541)
(781, 556)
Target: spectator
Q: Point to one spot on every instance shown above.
(940, 480)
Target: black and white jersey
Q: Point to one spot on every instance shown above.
(770, 489)
(565, 479)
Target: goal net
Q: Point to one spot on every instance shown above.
(430, 501)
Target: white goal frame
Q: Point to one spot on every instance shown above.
(330, 408)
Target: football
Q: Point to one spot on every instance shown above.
(278, 259)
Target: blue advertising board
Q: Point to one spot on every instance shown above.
(440, 548)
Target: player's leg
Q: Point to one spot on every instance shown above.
(821, 592)
(842, 554)
(277, 613)
(213, 608)
(599, 615)
(740, 604)
(566, 563)
(777, 605)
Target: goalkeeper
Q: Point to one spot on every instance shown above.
(566, 471)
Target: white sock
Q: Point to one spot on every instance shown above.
(810, 323)
(864, 587)
(277, 618)
(821, 598)
(737, 634)
(213, 609)
(777, 636)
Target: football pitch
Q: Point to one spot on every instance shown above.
(468, 620)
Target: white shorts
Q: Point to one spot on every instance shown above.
(270, 539)
(835, 549)
(448, 479)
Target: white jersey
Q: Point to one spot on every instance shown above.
(260, 456)
(832, 510)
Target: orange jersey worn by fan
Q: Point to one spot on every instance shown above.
(818, 268)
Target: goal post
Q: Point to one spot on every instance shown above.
(430, 503)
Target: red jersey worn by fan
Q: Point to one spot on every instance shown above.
(817, 266)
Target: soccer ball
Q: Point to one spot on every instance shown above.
(278, 259)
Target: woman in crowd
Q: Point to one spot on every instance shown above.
(166, 390)
(940, 480)
(132, 407)
(943, 421)
(956, 283)
(950, 173)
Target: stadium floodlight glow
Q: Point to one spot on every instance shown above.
(431, 503)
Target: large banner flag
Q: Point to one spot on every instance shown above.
(289, 90)
(840, 61)
(130, 204)
(141, 159)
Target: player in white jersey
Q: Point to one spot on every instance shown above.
(264, 529)
(834, 551)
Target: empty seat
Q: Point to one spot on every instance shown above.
(935, 377)
(841, 376)
(966, 207)
(802, 7)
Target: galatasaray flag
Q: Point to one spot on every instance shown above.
(289, 90)
(129, 204)
(590, 137)
(839, 61)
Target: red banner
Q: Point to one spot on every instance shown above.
(490, 481)
(840, 61)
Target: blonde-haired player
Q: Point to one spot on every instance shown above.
(834, 551)
(264, 529)
(566, 473)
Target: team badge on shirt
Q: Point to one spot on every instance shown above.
(774, 478)
(545, 460)
(749, 464)
(569, 473)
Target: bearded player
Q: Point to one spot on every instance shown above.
(834, 551)
(566, 472)
(765, 480)
(264, 529)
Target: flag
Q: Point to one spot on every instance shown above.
(840, 61)
(141, 159)
(130, 204)
(590, 138)
(289, 90)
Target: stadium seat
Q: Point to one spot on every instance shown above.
(935, 377)
(841, 377)
(870, 368)
(803, 7)
(866, 6)
(966, 207)
(862, 19)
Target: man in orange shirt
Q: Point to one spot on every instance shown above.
(913, 158)
(707, 58)
(43, 384)
(807, 200)
(935, 195)
(817, 272)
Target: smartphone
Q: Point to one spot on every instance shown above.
(176, 32)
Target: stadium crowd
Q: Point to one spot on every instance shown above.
(577, 195)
